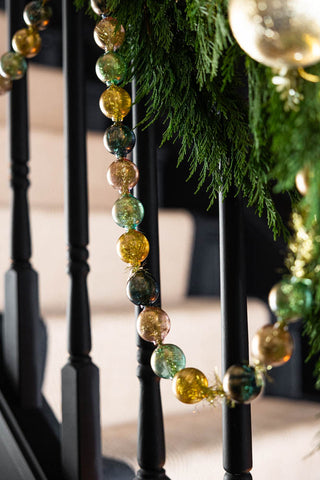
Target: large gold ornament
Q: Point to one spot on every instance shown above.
(190, 385)
(277, 33)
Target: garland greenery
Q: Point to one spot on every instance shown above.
(233, 125)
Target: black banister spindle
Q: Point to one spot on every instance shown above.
(21, 324)
(81, 437)
(151, 443)
(237, 443)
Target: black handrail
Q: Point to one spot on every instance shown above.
(151, 442)
(80, 440)
(237, 449)
(21, 312)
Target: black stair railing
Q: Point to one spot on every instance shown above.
(151, 442)
(80, 440)
(237, 449)
(21, 322)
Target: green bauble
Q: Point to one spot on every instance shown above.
(242, 383)
(110, 68)
(291, 298)
(127, 211)
(167, 360)
(13, 65)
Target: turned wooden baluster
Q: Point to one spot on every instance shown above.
(237, 444)
(151, 443)
(81, 440)
(21, 323)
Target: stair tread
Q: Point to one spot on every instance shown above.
(283, 435)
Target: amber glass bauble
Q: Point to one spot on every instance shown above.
(272, 345)
(190, 385)
(133, 247)
(108, 34)
(122, 175)
(277, 33)
(153, 324)
(27, 42)
(242, 383)
(115, 103)
(5, 85)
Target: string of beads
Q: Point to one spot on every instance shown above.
(26, 43)
(272, 345)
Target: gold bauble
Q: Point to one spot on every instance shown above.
(190, 385)
(27, 42)
(133, 247)
(115, 103)
(277, 33)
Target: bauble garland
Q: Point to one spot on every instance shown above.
(238, 121)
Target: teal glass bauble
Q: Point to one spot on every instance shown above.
(242, 383)
(142, 289)
(13, 65)
(291, 298)
(127, 211)
(119, 139)
(167, 360)
(110, 68)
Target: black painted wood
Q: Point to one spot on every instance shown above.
(21, 323)
(151, 442)
(17, 461)
(237, 441)
(41, 434)
(80, 438)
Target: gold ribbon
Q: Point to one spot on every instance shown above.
(310, 77)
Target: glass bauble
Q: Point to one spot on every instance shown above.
(115, 103)
(272, 345)
(27, 42)
(119, 139)
(127, 211)
(99, 6)
(122, 175)
(110, 68)
(167, 360)
(291, 298)
(13, 65)
(302, 181)
(108, 34)
(37, 14)
(190, 385)
(142, 289)
(242, 383)
(277, 33)
(5, 85)
(153, 324)
(133, 247)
